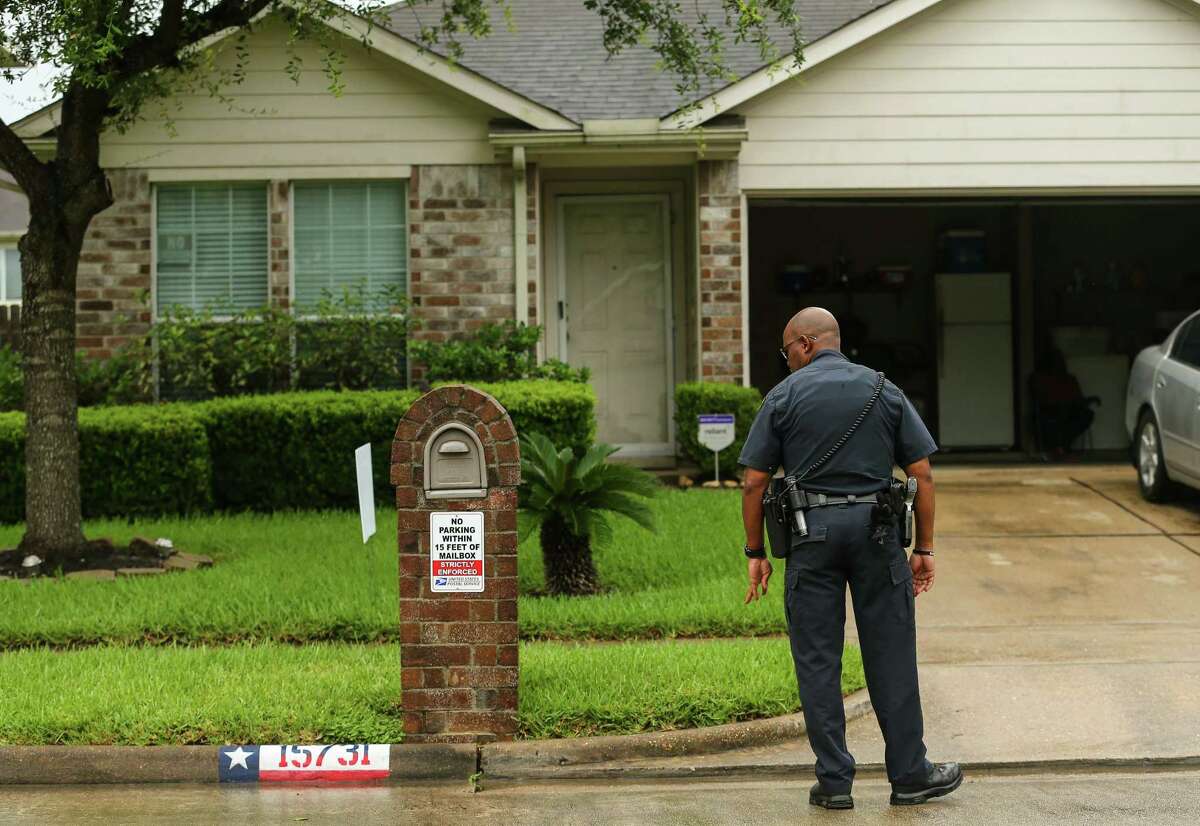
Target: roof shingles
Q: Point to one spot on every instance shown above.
(555, 55)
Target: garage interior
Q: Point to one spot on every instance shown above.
(959, 301)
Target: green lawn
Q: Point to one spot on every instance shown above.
(291, 636)
(307, 577)
(321, 692)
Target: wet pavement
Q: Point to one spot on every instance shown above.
(1064, 625)
(1022, 800)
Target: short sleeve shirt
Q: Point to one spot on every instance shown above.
(805, 414)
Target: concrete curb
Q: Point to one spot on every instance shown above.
(57, 765)
(862, 770)
(530, 758)
(35, 765)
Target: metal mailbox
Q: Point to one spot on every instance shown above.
(454, 464)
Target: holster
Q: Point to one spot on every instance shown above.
(775, 518)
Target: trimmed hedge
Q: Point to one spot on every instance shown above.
(133, 461)
(287, 450)
(695, 398)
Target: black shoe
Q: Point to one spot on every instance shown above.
(818, 797)
(942, 779)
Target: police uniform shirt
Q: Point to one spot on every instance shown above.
(805, 414)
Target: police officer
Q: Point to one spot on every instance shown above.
(799, 421)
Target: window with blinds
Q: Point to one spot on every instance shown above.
(348, 234)
(211, 246)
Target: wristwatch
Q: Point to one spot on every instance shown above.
(754, 553)
(923, 551)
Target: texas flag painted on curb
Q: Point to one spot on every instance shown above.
(290, 764)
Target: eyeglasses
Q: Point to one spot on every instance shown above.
(783, 351)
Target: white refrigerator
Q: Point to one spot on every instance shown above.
(975, 360)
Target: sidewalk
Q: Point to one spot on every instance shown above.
(1064, 626)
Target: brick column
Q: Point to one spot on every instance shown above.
(721, 345)
(458, 651)
(280, 195)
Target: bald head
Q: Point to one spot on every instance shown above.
(818, 323)
(810, 331)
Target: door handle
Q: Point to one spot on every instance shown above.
(1160, 383)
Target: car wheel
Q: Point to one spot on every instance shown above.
(1151, 469)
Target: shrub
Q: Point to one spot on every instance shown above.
(354, 341)
(292, 450)
(266, 452)
(12, 379)
(496, 352)
(695, 398)
(133, 461)
(572, 494)
(199, 356)
(563, 412)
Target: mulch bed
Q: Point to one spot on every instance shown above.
(101, 559)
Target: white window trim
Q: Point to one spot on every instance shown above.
(5, 301)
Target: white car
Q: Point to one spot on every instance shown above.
(1162, 412)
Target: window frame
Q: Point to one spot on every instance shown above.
(155, 186)
(9, 243)
(1190, 326)
(404, 182)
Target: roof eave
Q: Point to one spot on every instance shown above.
(815, 53)
(713, 143)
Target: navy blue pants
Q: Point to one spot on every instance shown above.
(837, 552)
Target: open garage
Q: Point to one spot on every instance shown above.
(967, 302)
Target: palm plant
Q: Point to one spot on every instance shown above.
(572, 497)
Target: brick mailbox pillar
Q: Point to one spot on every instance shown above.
(456, 467)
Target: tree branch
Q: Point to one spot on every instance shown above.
(177, 29)
(20, 161)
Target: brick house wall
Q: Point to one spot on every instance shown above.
(461, 248)
(114, 268)
(720, 217)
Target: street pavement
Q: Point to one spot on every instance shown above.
(1162, 799)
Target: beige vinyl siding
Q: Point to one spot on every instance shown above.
(992, 94)
(388, 115)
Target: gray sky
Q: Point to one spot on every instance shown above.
(26, 95)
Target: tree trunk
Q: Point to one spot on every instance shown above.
(49, 260)
(568, 560)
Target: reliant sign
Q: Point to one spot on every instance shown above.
(716, 433)
(456, 551)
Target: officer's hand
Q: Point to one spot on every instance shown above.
(760, 572)
(922, 568)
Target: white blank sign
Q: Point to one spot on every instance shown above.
(366, 490)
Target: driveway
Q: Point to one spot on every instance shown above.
(1064, 625)
(1065, 622)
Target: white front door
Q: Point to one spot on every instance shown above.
(614, 278)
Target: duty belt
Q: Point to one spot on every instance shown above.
(820, 500)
